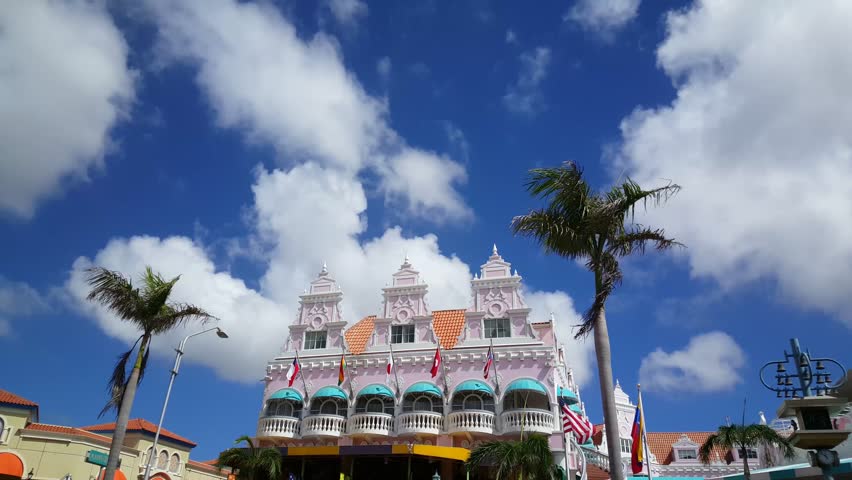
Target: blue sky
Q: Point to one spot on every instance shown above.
(243, 144)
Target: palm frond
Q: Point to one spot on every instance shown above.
(707, 448)
(552, 231)
(755, 435)
(156, 292)
(530, 458)
(636, 240)
(114, 291)
(232, 457)
(621, 201)
(268, 463)
(174, 315)
(118, 381)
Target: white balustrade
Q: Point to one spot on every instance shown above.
(429, 423)
(528, 420)
(371, 424)
(596, 458)
(478, 421)
(323, 426)
(279, 427)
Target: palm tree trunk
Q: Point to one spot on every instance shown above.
(604, 360)
(746, 471)
(124, 414)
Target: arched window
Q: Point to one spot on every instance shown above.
(2, 429)
(518, 399)
(174, 464)
(374, 404)
(163, 460)
(467, 400)
(283, 408)
(329, 406)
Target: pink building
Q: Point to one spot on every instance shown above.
(409, 409)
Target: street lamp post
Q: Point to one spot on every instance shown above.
(221, 333)
(812, 403)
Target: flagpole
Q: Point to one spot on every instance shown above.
(393, 367)
(496, 373)
(443, 369)
(346, 371)
(644, 432)
(302, 374)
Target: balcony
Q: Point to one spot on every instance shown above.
(470, 421)
(323, 426)
(419, 423)
(277, 427)
(528, 420)
(596, 458)
(370, 424)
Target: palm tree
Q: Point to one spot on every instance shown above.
(579, 224)
(252, 463)
(527, 459)
(151, 312)
(742, 438)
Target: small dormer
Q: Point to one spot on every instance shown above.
(405, 319)
(320, 322)
(685, 450)
(498, 309)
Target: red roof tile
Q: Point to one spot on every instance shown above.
(660, 444)
(140, 425)
(357, 335)
(11, 398)
(44, 427)
(448, 325)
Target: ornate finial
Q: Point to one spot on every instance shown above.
(617, 383)
(552, 318)
(476, 276)
(494, 250)
(324, 270)
(516, 273)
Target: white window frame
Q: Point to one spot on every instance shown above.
(681, 451)
(497, 327)
(404, 334)
(313, 345)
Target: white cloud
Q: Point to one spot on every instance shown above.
(18, 299)
(347, 12)
(710, 362)
(524, 96)
(424, 182)
(511, 37)
(296, 95)
(257, 326)
(457, 139)
(63, 85)
(760, 143)
(579, 354)
(384, 66)
(604, 17)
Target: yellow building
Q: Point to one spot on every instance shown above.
(39, 451)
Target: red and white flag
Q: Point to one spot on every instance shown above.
(489, 359)
(293, 371)
(574, 422)
(436, 364)
(390, 364)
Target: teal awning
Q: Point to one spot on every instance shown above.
(526, 384)
(568, 396)
(376, 389)
(424, 387)
(333, 392)
(575, 408)
(474, 386)
(287, 394)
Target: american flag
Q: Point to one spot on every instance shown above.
(574, 422)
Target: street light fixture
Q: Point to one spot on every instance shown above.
(221, 334)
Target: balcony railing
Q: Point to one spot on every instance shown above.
(596, 458)
(419, 423)
(323, 426)
(371, 424)
(473, 421)
(528, 420)
(277, 427)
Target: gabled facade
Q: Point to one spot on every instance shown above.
(457, 407)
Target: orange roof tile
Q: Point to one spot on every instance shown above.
(357, 335)
(593, 472)
(660, 444)
(11, 398)
(44, 427)
(448, 325)
(209, 465)
(140, 425)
